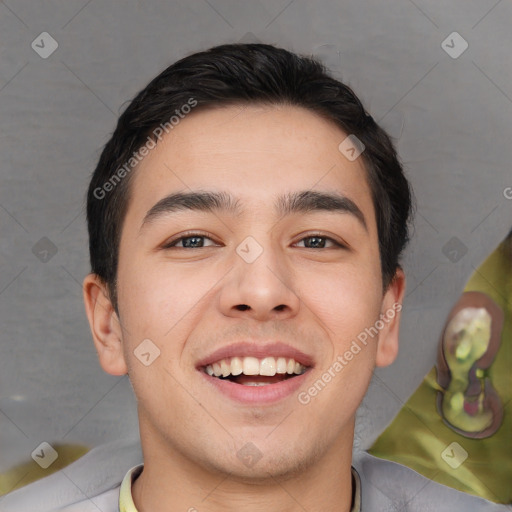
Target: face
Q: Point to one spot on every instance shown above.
(251, 305)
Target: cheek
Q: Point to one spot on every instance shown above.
(154, 298)
(164, 304)
(346, 300)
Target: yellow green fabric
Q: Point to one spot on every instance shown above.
(418, 437)
(28, 472)
(125, 493)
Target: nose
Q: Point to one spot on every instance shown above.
(261, 289)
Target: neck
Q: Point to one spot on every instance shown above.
(171, 483)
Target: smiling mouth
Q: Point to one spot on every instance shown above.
(253, 371)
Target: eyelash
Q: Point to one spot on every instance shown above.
(194, 234)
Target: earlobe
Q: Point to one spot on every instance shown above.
(387, 348)
(104, 323)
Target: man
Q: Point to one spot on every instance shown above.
(246, 221)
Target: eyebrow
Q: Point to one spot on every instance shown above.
(294, 202)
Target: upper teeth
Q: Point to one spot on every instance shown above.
(253, 366)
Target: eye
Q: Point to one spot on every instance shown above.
(197, 240)
(319, 242)
(189, 241)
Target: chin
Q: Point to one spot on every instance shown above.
(261, 467)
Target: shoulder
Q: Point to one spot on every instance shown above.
(90, 483)
(389, 486)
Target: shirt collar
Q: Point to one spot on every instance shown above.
(126, 500)
(125, 493)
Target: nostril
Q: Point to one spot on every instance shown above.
(243, 307)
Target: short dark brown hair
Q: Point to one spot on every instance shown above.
(241, 74)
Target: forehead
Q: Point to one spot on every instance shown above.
(255, 151)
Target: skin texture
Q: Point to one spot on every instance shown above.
(187, 301)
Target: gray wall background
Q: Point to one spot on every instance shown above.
(452, 118)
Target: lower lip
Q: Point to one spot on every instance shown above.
(260, 395)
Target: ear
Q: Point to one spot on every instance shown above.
(387, 347)
(105, 327)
